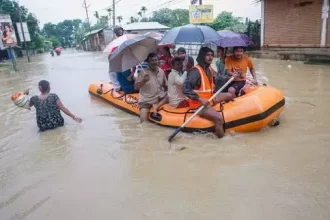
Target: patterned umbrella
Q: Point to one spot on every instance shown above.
(113, 45)
(232, 39)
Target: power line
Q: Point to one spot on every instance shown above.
(106, 8)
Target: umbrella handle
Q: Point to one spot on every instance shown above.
(142, 68)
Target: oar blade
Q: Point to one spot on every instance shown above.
(174, 133)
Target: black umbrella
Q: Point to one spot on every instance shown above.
(190, 34)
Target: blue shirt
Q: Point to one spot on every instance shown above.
(126, 86)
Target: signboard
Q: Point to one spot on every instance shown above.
(201, 14)
(26, 32)
(7, 32)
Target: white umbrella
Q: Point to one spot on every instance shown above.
(113, 45)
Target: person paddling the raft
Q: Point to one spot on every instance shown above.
(49, 106)
(199, 87)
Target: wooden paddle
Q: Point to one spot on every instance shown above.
(199, 110)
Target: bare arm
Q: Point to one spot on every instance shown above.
(253, 72)
(130, 77)
(139, 85)
(60, 105)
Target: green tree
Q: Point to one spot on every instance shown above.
(65, 32)
(179, 17)
(133, 19)
(226, 20)
(144, 19)
(119, 19)
(49, 30)
(143, 10)
(171, 18)
(39, 42)
(140, 13)
(163, 16)
(96, 15)
(101, 23)
(54, 41)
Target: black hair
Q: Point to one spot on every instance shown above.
(181, 50)
(44, 85)
(191, 59)
(117, 29)
(167, 49)
(201, 55)
(151, 55)
(176, 59)
(235, 48)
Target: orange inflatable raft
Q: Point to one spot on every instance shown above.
(251, 112)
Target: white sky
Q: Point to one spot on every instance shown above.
(59, 10)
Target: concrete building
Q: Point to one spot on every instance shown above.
(295, 24)
(145, 27)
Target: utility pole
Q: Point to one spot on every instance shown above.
(89, 25)
(21, 24)
(114, 13)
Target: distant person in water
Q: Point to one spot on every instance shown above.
(49, 106)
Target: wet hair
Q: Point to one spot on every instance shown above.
(117, 29)
(44, 85)
(235, 48)
(202, 53)
(151, 55)
(176, 60)
(181, 50)
(220, 48)
(191, 60)
(167, 49)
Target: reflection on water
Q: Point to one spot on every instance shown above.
(110, 166)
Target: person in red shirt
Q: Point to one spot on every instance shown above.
(166, 60)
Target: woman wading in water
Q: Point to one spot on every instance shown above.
(49, 106)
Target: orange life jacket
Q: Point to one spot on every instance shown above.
(206, 88)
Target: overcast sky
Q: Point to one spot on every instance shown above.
(59, 10)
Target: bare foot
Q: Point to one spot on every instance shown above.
(155, 107)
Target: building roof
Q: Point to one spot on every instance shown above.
(144, 26)
(93, 32)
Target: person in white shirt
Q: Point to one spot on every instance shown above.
(176, 79)
(118, 31)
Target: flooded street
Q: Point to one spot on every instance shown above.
(110, 167)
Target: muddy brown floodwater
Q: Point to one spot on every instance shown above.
(110, 167)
